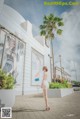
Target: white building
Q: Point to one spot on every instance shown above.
(20, 53)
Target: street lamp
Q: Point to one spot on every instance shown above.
(60, 64)
(75, 71)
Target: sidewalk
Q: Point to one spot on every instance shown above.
(61, 108)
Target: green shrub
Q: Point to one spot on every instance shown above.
(64, 84)
(6, 81)
(75, 82)
(69, 85)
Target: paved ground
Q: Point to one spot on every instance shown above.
(61, 108)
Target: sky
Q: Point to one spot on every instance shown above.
(34, 10)
(68, 44)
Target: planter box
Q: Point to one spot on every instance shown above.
(76, 88)
(7, 97)
(57, 93)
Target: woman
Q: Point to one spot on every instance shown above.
(45, 86)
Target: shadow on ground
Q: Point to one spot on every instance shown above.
(28, 110)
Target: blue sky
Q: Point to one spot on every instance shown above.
(34, 10)
(68, 45)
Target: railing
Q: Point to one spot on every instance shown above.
(61, 74)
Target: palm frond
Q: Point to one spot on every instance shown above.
(43, 33)
(45, 18)
(59, 31)
(42, 26)
(57, 19)
(60, 24)
(49, 23)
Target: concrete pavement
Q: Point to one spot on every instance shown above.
(67, 107)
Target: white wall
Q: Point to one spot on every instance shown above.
(14, 22)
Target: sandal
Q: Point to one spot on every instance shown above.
(48, 108)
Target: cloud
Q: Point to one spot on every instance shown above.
(70, 44)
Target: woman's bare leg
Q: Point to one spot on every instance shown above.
(45, 97)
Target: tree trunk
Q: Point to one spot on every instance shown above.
(52, 55)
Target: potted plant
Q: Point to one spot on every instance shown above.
(76, 85)
(7, 92)
(60, 89)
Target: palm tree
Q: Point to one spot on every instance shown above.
(51, 24)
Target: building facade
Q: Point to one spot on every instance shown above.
(21, 54)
